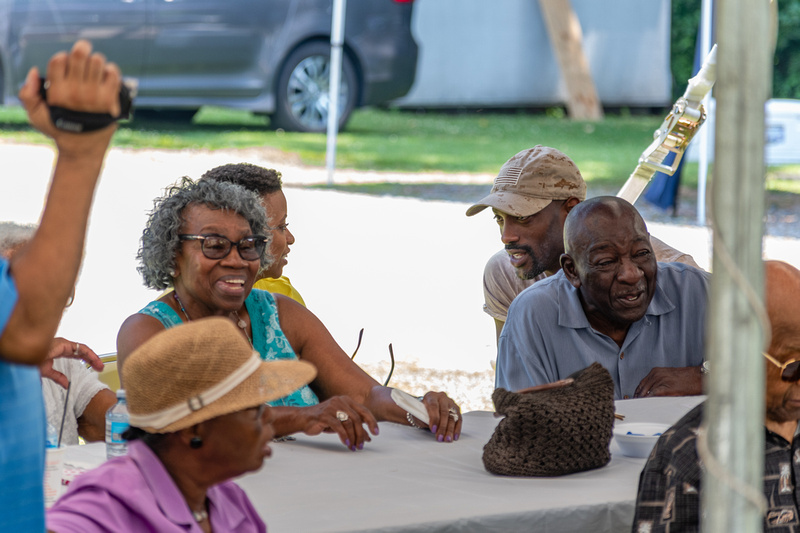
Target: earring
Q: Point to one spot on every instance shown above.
(195, 443)
(172, 272)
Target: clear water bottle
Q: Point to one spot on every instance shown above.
(52, 436)
(116, 424)
(53, 467)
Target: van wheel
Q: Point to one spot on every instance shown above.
(302, 91)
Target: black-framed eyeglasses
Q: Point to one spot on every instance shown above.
(790, 370)
(218, 246)
(391, 356)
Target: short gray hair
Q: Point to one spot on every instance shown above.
(160, 242)
(13, 234)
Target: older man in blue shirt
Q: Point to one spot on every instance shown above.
(613, 304)
(35, 284)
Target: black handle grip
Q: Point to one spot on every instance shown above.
(80, 121)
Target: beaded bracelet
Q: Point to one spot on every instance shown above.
(411, 421)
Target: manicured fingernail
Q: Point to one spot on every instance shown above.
(361, 446)
(376, 431)
(433, 429)
(353, 448)
(449, 438)
(347, 443)
(440, 438)
(457, 435)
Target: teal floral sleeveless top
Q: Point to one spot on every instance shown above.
(268, 338)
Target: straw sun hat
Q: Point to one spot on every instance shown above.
(200, 370)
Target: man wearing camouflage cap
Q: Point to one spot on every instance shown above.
(531, 197)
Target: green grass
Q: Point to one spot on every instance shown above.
(481, 142)
(414, 141)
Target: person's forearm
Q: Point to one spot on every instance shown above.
(92, 422)
(443, 420)
(45, 271)
(91, 432)
(288, 420)
(380, 402)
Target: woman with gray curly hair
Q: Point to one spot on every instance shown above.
(207, 240)
(162, 239)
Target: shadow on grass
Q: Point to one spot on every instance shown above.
(445, 192)
(163, 126)
(181, 126)
(14, 127)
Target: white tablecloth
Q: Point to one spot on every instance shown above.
(404, 481)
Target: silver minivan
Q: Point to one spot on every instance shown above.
(267, 56)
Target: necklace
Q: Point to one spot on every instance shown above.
(180, 303)
(200, 516)
(239, 322)
(243, 325)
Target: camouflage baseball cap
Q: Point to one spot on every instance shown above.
(530, 180)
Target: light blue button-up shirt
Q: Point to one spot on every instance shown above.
(547, 336)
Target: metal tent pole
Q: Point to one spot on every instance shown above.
(702, 172)
(337, 40)
(732, 495)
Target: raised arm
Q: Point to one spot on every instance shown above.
(44, 272)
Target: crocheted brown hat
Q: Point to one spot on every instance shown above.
(556, 431)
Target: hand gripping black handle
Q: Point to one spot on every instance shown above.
(81, 121)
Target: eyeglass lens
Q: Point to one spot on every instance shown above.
(217, 247)
(791, 372)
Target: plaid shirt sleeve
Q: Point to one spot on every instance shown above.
(668, 499)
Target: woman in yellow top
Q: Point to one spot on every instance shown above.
(266, 183)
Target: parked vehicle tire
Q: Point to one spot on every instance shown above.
(302, 92)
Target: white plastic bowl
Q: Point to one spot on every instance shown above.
(636, 439)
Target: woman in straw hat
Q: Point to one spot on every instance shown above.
(206, 239)
(196, 396)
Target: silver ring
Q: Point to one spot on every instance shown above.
(77, 346)
(453, 414)
(342, 416)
